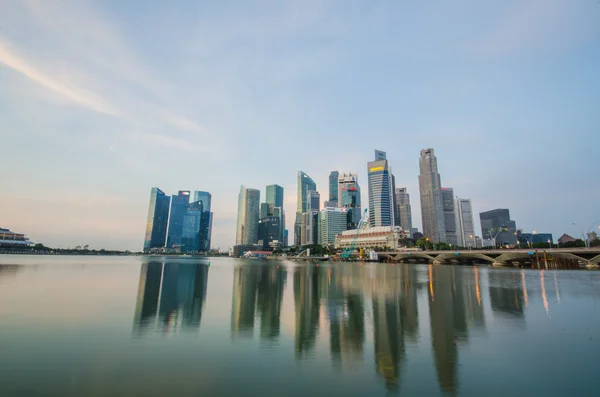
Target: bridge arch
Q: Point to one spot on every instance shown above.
(446, 256)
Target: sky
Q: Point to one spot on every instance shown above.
(102, 100)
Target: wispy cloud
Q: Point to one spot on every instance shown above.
(78, 96)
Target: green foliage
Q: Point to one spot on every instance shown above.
(573, 244)
(422, 242)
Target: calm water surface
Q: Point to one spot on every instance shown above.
(127, 326)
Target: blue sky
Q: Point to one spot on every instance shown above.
(100, 101)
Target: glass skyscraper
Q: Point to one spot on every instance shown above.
(314, 200)
(465, 224)
(179, 206)
(381, 201)
(403, 208)
(247, 217)
(432, 207)
(497, 226)
(349, 198)
(192, 222)
(450, 225)
(333, 189)
(305, 183)
(274, 195)
(158, 217)
(206, 221)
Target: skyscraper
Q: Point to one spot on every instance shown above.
(332, 221)
(381, 201)
(206, 221)
(430, 187)
(349, 198)
(403, 208)
(395, 201)
(269, 230)
(192, 225)
(305, 183)
(313, 199)
(449, 216)
(274, 195)
(247, 219)
(179, 206)
(333, 189)
(497, 225)
(466, 227)
(158, 217)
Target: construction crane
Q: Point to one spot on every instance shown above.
(350, 250)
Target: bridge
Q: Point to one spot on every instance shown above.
(549, 258)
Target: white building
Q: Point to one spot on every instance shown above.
(332, 221)
(370, 237)
(464, 223)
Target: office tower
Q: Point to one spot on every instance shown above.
(333, 189)
(247, 219)
(305, 183)
(274, 195)
(158, 217)
(207, 218)
(332, 221)
(497, 226)
(313, 200)
(403, 209)
(192, 225)
(449, 216)
(349, 198)
(179, 206)
(395, 201)
(269, 230)
(430, 187)
(381, 201)
(310, 228)
(264, 210)
(465, 224)
(285, 238)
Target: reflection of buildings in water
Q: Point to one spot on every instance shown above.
(448, 322)
(257, 289)
(472, 298)
(409, 313)
(346, 327)
(306, 298)
(270, 296)
(388, 335)
(506, 294)
(182, 290)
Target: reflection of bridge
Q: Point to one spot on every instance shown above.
(556, 257)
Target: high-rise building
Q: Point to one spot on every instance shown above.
(450, 216)
(465, 225)
(395, 201)
(207, 218)
(314, 200)
(269, 230)
(179, 206)
(158, 218)
(274, 195)
(333, 189)
(497, 226)
(332, 221)
(305, 183)
(247, 218)
(265, 210)
(403, 208)
(310, 228)
(430, 187)
(349, 198)
(192, 225)
(381, 200)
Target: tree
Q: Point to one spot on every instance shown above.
(39, 247)
(422, 243)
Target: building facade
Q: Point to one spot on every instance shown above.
(310, 228)
(274, 195)
(349, 198)
(10, 239)
(381, 202)
(158, 218)
(450, 221)
(333, 189)
(305, 183)
(192, 226)
(430, 189)
(465, 224)
(497, 226)
(269, 230)
(179, 207)
(313, 199)
(207, 219)
(403, 208)
(371, 237)
(332, 221)
(247, 219)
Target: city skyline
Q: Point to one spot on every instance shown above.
(101, 117)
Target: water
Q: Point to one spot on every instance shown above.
(131, 326)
